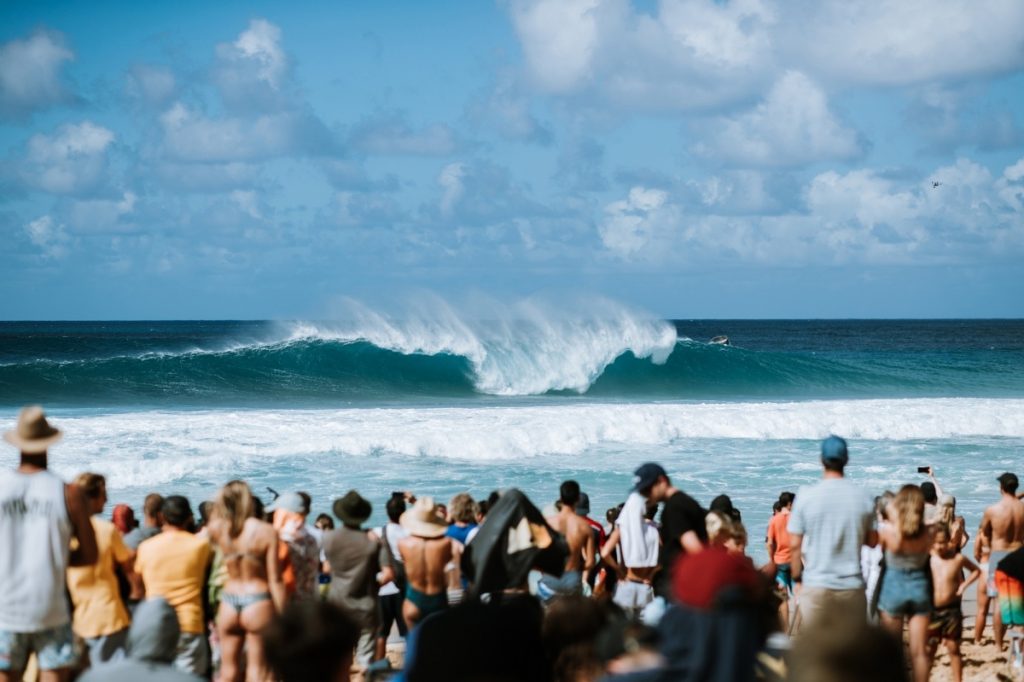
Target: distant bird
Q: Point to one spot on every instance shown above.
(935, 183)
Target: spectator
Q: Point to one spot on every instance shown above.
(392, 595)
(152, 521)
(152, 645)
(829, 523)
(100, 617)
(906, 586)
(359, 566)
(253, 591)
(173, 565)
(310, 641)
(39, 514)
(297, 550)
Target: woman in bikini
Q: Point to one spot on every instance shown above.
(425, 554)
(254, 591)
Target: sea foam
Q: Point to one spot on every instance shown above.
(152, 448)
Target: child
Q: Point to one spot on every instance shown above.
(947, 565)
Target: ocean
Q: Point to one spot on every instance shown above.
(441, 404)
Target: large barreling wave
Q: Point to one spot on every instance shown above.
(433, 351)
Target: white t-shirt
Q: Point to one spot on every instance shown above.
(394, 533)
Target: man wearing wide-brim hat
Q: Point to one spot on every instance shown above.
(425, 553)
(39, 514)
(359, 565)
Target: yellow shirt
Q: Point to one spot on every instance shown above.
(173, 566)
(94, 590)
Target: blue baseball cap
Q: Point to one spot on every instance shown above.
(647, 475)
(833, 449)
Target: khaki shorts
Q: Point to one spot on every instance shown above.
(816, 602)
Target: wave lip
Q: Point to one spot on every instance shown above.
(529, 349)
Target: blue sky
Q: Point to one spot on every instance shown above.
(747, 158)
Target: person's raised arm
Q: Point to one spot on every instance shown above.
(935, 481)
(87, 553)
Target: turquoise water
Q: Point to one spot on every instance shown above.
(444, 404)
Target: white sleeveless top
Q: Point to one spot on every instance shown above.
(35, 537)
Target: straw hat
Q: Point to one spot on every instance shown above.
(422, 520)
(33, 434)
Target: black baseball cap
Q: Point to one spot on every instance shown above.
(646, 476)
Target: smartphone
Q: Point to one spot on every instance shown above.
(924, 470)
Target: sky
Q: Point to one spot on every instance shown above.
(696, 159)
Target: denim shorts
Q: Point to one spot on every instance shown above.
(905, 592)
(55, 648)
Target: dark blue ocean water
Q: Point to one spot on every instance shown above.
(446, 405)
(270, 363)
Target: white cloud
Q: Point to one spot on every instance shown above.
(153, 84)
(900, 42)
(391, 134)
(450, 180)
(644, 219)
(700, 54)
(30, 77)
(49, 236)
(792, 126)
(70, 161)
(862, 216)
(252, 70)
(191, 136)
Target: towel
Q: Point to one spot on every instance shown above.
(639, 539)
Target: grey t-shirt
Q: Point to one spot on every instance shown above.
(834, 516)
(135, 537)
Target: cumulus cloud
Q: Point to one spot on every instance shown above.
(191, 136)
(30, 74)
(49, 237)
(72, 160)
(481, 194)
(391, 134)
(901, 42)
(252, 70)
(792, 126)
(863, 216)
(700, 54)
(643, 220)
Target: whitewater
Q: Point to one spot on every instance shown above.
(439, 400)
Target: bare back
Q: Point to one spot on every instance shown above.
(425, 560)
(247, 556)
(579, 537)
(1003, 524)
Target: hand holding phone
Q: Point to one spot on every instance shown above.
(924, 470)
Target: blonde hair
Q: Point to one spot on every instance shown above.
(234, 504)
(909, 506)
(720, 527)
(462, 508)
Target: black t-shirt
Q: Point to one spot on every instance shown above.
(681, 514)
